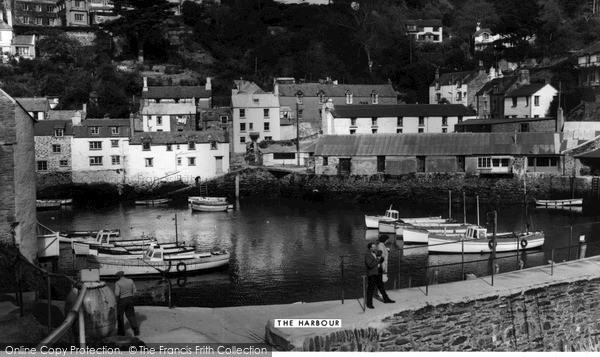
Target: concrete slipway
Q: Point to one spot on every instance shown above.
(252, 324)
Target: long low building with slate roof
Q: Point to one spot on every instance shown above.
(393, 119)
(477, 153)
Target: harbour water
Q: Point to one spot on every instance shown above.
(290, 251)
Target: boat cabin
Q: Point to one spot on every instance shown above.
(104, 236)
(476, 233)
(392, 214)
(154, 254)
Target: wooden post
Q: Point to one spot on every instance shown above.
(478, 210)
(342, 263)
(449, 204)
(464, 209)
(176, 236)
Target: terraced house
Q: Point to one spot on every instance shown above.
(53, 142)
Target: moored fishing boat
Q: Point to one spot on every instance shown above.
(81, 245)
(47, 204)
(152, 202)
(155, 262)
(170, 249)
(209, 204)
(390, 216)
(434, 223)
(560, 203)
(477, 240)
(90, 233)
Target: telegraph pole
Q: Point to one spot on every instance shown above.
(297, 134)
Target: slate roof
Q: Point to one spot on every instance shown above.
(336, 90)
(525, 90)
(276, 148)
(451, 78)
(46, 127)
(480, 31)
(438, 144)
(178, 137)
(176, 92)
(104, 125)
(246, 100)
(503, 83)
(34, 104)
(169, 109)
(23, 40)
(506, 120)
(590, 50)
(61, 114)
(401, 110)
(420, 22)
(247, 87)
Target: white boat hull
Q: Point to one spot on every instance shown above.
(438, 244)
(159, 201)
(202, 207)
(560, 203)
(415, 235)
(372, 222)
(139, 266)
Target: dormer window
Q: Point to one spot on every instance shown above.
(299, 97)
(94, 130)
(349, 97)
(374, 98)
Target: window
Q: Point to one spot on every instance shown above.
(95, 145)
(524, 127)
(169, 147)
(42, 165)
(159, 120)
(536, 100)
(250, 126)
(25, 7)
(438, 97)
(284, 155)
(459, 96)
(114, 143)
(115, 160)
(79, 17)
(255, 100)
(399, 131)
(421, 121)
(421, 130)
(514, 102)
(56, 148)
(437, 85)
(268, 138)
(178, 161)
(325, 161)
(242, 139)
(352, 121)
(242, 127)
(95, 160)
(444, 130)
(23, 51)
(400, 121)
(444, 121)
(59, 132)
(149, 162)
(267, 126)
(484, 162)
(49, 8)
(224, 119)
(213, 145)
(94, 130)
(349, 98)
(460, 119)
(191, 161)
(321, 96)
(146, 146)
(114, 130)
(242, 113)
(178, 147)
(352, 131)
(63, 163)
(191, 145)
(374, 98)
(77, 3)
(420, 163)
(542, 161)
(374, 121)
(266, 113)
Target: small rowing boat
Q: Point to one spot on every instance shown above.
(152, 202)
(560, 203)
(209, 204)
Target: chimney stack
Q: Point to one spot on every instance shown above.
(524, 76)
(276, 89)
(9, 16)
(437, 73)
(208, 85)
(327, 117)
(145, 89)
(560, 120)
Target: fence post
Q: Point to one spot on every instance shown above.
(342, 276)
(427, 279)
(582, 247)
(552, 263)
(49, 302)
(364, 294)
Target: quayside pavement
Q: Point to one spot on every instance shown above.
(251, 324)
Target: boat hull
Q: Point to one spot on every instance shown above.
(372, 222)
(560, 203)
(160, 201)
(441, 244)
(203, 207)
(141, 267)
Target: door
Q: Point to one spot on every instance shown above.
(344, 168)
(380, 164)
(219, 164)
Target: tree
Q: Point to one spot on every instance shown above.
(139, 20)
(472, 13)
(518, 20)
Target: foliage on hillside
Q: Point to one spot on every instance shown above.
(364, 41)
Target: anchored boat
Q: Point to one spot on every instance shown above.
(209, 204)
(477, 240)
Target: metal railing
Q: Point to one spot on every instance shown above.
(424, 275)
(22, 267)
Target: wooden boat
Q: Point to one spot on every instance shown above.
(560, 203)
(390, 216)
(152, 202)
(171, 249)
(47, 204)
(90, 233)
(209, 204)
(431, 222)
(477, 240)
(81, 245)
(155, 262)
(420, 234)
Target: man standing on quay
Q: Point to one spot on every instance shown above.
(125, 291)
(373, 262)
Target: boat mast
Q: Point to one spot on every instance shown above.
(176, 238)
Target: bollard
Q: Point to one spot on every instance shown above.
(497, 268)
(582, 247)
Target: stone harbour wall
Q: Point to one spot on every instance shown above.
(552, 318)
